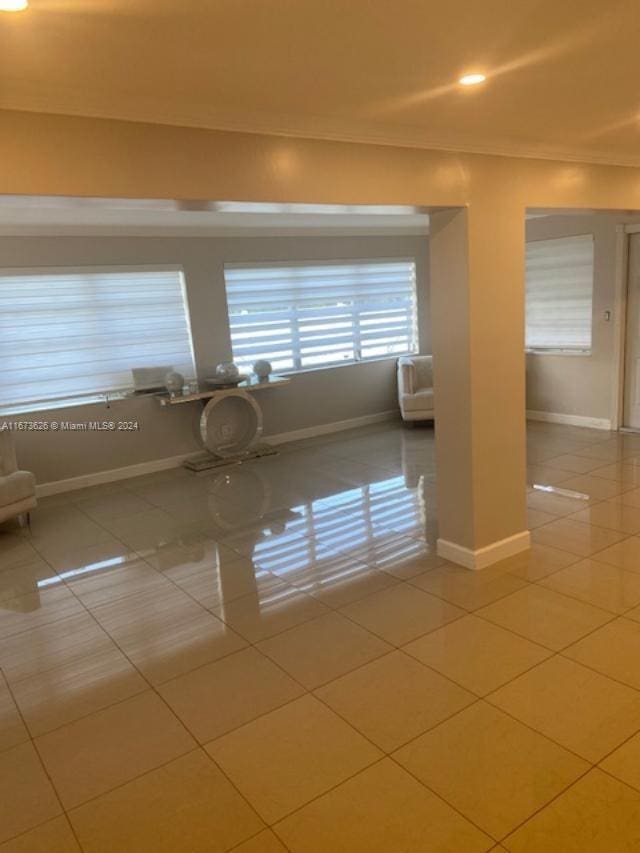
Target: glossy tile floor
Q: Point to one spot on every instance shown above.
(271, 657)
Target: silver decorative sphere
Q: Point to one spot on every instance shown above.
(227, 370)
(262, 369)
(174, 382)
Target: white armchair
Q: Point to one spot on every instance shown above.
(17, 488)
(415, 388)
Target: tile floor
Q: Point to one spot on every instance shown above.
(272, 657)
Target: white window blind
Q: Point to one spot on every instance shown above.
(559, 293)
(66, 334)
(301, 316)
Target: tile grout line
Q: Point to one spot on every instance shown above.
(150, 686)
(540, 583)
(542, 734)
(442, 799)
(612, 618)
(336, 610)
(180, 722)
(634, 788)
(292, 628)
(547, 804)
(63, 811)
(247, 840)
(63, 815)
(249, 645)
(310, 692)
(201, 746)
(391, 755)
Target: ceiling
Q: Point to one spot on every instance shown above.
(562, 74)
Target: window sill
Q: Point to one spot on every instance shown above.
(108, 397)
(321, 368)
(105, 398)
(572, 353)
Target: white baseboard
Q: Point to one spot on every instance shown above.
(483, 557)
(111, 476)
(336, 426)
(570, 420)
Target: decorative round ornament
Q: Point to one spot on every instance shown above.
(227, 370)
(174, 382)
(262, 369)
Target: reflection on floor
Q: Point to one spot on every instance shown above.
(272, 657)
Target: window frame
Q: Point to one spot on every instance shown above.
(92, 398)
(320, 262)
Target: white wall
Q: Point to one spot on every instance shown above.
(312, 399)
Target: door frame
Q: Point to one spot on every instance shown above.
(621, 287)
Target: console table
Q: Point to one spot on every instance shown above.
(231, 421)
(205, 393)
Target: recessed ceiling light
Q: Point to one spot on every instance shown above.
(472, 79)
(13, 5)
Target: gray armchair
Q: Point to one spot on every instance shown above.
(17, 488)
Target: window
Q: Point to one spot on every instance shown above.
(78, 333)
(559, 277)
(300, 317)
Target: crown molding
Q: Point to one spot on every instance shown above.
(23, 97)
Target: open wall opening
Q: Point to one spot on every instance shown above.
(583, 381)
(233, 261)
(577, 315)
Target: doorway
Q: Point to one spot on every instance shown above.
(631, 408)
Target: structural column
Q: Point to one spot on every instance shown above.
(477, 318)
